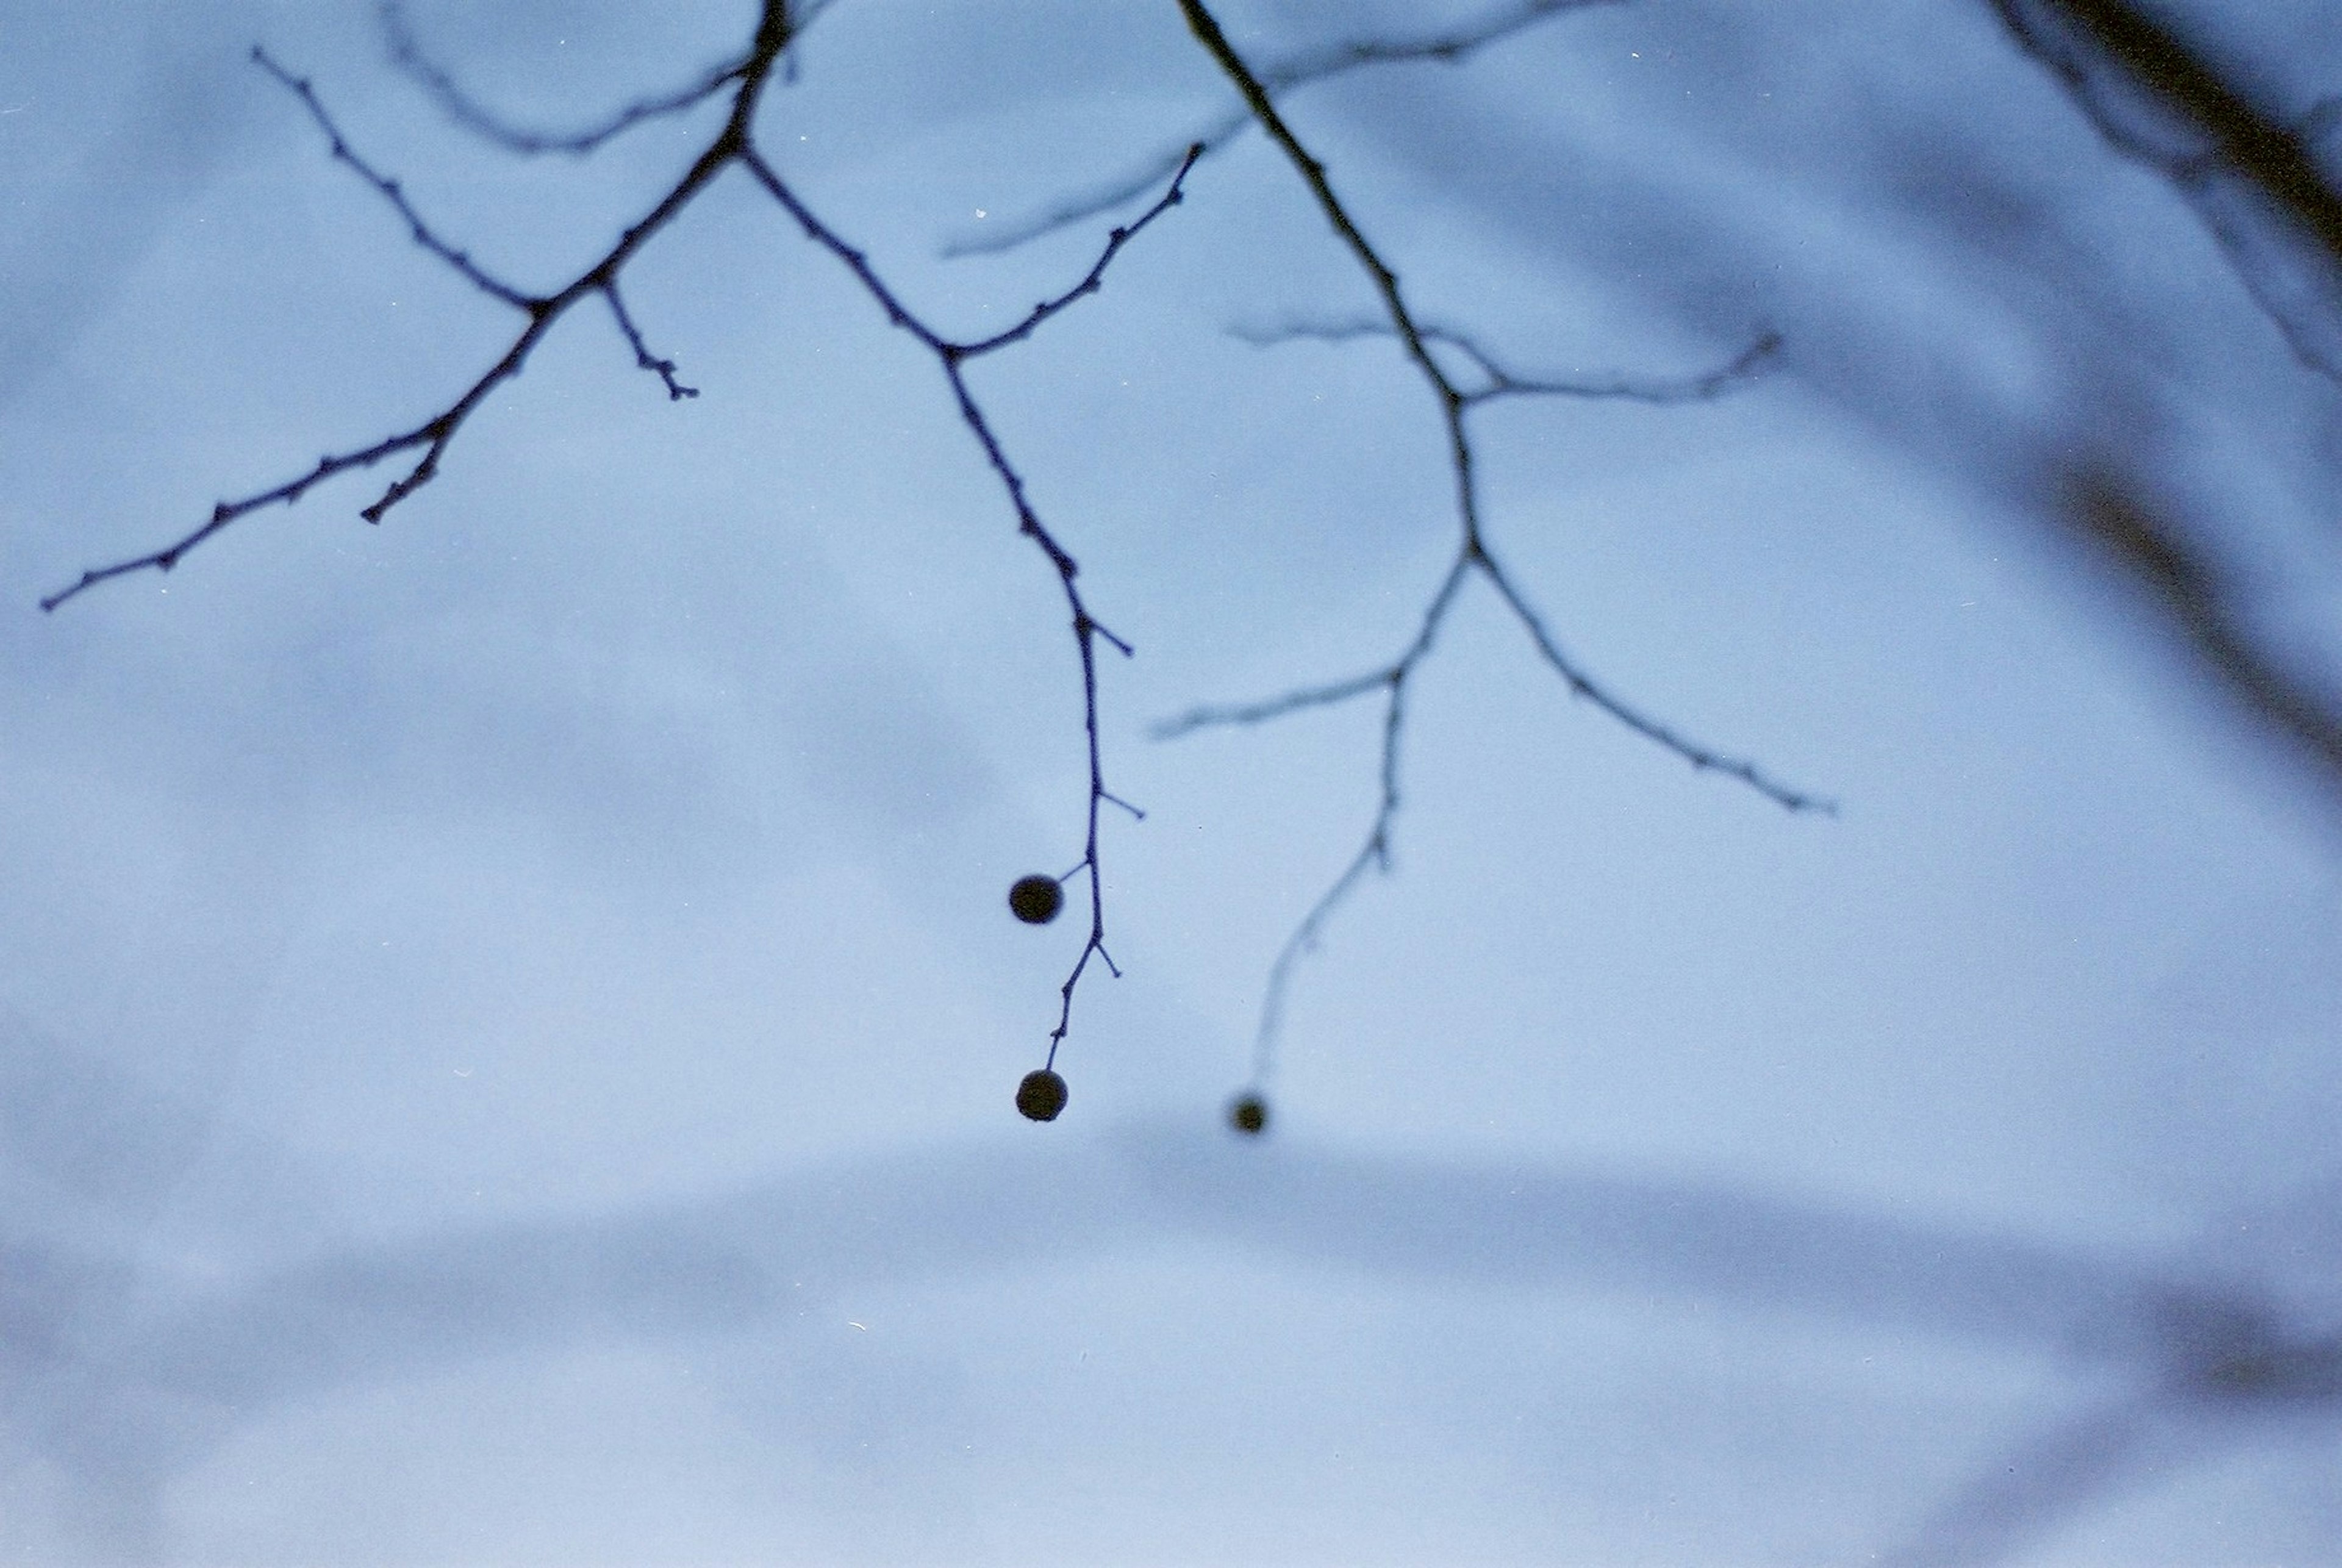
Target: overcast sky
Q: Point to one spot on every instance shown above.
(509, 1016)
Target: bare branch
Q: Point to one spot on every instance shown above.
(434, 433)
(1747, 366)
(1472, 552)
(1582, 685)
(1273, 707)
(2227, 1364)
(1450, 47)
(732, 144)
(409, 55)
(1095, 276)
(951, 356)
(423, 236)
(662, 368)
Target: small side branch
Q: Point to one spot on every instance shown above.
(1450, 47)
(1582, 685)
(1091, 282)
(467, 110)
(389, 189)
(662, 368)
(1204, 718)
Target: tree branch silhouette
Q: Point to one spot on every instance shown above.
(1473, 556)
(435, 433)
(467, 110)
(1452, 46)
(733, 145)
(951, 355)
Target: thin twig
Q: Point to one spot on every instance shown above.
(389, 189)
(464, 110)
(664, 368)
(1582, 685)
(1473, 553)
(1452, 46)
(732, 144)
(1273, 708)
(951, 356)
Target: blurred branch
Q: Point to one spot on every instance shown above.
(1473, 553)
(2230, 1366)
(179, 1369)
(731, 145)
(2253, 180)
(1497, 382)
(1451, 48)
(2194, 599)
(464, 110)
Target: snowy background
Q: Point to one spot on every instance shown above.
(507, 1018)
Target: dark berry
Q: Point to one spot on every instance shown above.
(1042, 1094)
(1036, 900)
(1248, 1114)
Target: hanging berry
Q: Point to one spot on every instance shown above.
(1042, 1094)
(1036, 900)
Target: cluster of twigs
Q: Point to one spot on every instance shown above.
(732, 146)
(1457, 396)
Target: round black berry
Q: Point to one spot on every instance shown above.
(1042, 1094)
(1036, 900)
(1248, 1114)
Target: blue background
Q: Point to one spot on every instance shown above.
(508, 1019)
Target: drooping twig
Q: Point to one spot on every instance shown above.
(731, 145)
(1451, 46)
(951, 356)
(664, 368)
(1473, 554)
